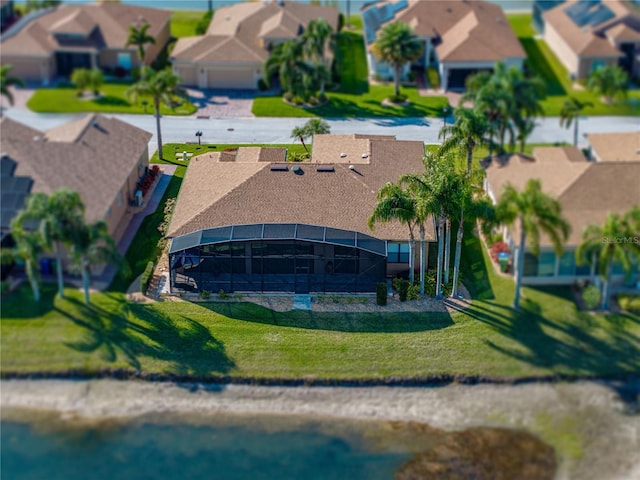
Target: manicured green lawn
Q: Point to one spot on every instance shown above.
(542, 61)
(113, 100)
(355, 98)
(548, 336)
(184, 22)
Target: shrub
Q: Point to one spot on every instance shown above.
(96, 79)
(381, 294)
(223, 295)
(262, 85)
(4, 287)
(203, 23)
(430, 284)
(81, 78)
(297, 100)
(496, 248)
(433, 77)
(288, 96)
(146, 277)
(591, 296)
(205, 294)
(414, 291)
(398, 98)
(403, 289)
(630, 303)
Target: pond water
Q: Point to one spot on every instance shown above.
(148, 449)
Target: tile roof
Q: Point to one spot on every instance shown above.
(469, 31)
(616, 147)
(590, 40)
(236, 32)
(93, 156)
(587, 191)
(110, 20)
(215, 193)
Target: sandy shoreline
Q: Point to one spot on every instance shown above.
(608, 433)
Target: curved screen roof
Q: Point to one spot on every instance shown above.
(279, 231)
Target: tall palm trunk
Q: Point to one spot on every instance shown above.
(575, 131)
(456, 262)
(32, 275)
(412, 260)
(605, 287)
(86, 277)
(519, 264)
(59, 271)
(397, 79)
(470, 159)
(156, 104)
(304, 144)
(422, 259)
(447, 250)
(440, 256)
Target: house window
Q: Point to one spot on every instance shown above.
(124, 60)
(546, 264)
(567, 264)
(596, 64)
(398, 253)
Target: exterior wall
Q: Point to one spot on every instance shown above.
(241, 77)
(116, 215)
(187, 73)
(588, 64)
(559, 47)
(109, 58)
(39, 70)
(152, 50)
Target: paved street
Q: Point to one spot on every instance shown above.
(278, 130)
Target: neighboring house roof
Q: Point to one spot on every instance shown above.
(241, 32)
(95, 26)
(584, 25)
(93, 156)
(216, 193)
(615, 147)
(462, 31)
(587, 191)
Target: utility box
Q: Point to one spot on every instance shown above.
(503, 261)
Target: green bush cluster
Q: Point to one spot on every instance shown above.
(433, 77)
(146, 277)
(205, 294)
(222, 295)
(630, 303)
(381, 294)
(591, 296)
(203, 23)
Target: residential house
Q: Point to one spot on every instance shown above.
(588, 192)
(53, 42)
(614, 147)
(232, 53)
(588, 34)
(248, 220)
(460, 37)
(99, 157)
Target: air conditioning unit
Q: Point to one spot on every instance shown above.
(138, 198)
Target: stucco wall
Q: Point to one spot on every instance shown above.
(560, 48)
(32, 69)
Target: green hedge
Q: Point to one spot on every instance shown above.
(146, 277)
(381, 293)
(433, 77)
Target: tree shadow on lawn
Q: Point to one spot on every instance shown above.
(21, 305)
(538, 63)
(351, 322)
(141, 331)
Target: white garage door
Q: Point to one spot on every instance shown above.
(236, 79)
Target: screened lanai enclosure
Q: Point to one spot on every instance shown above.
(294, 258)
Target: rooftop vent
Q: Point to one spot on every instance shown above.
(352, 167)
(298, 170)
(365, 155)
(342, 155)
(275, 167)
(325, 168)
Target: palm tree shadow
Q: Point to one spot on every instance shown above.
(350, 322)
(140, 331)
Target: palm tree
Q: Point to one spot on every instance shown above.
(28, 247)
(608, 244)
(7, 81)
(309, 129)
(570, 113)
(287, 61)
(467, 132)
(397, 204)
(610, 82)
(92, 244)
(315, 38)
(162, 87)
(397, 44)
(138, 36)
(530, 212)
(56, 217)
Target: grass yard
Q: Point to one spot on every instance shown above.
(547, 336)
(184, 22)
(113, 100)
(542, 60)
(355, 98)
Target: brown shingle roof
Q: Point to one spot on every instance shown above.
(470, 31)
(587, 40)
(616, 147)
(111, 19)
(94, 161)
(236, 31)
(216, 194)
(587, 191)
